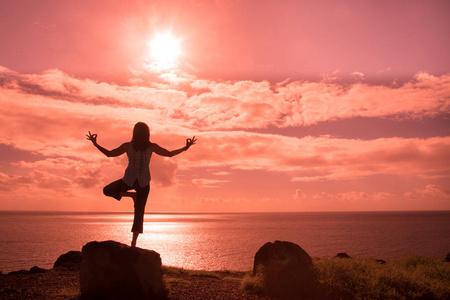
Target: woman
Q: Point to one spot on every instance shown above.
(137, 174)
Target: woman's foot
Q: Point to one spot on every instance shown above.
(129, 194)
(135, 236)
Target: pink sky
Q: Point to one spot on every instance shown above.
(297, 105)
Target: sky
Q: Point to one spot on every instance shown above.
(297, 105)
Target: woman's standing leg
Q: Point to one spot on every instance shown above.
(134, 240)
(139, 210)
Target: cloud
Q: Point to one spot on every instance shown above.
(432, 197)
(46, 116)
(358, 75)
(322, 158)
(9, 182)
(221, 173)
(209, 183)
(212, 105)
(163, 171)
(299, 195)
(430, 191)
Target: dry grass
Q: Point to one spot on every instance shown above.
(254, 284)
(411, 277)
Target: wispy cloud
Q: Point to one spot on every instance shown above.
(429, 198)
(325, 157)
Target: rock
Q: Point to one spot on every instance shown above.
(113, 270)
(342, 255)
(447, 259)
(381, 261)
(20, 272)
(33, 270)
(71, 260)
(289, 272)
(36, 270)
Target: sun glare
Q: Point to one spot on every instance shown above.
(164, 51)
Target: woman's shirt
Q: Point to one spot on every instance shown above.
(138, 166)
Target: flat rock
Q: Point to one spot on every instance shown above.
(110, 269)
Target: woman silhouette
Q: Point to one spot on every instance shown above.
(137, 174)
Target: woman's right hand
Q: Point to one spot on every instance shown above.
(190, 142)
(92, 137)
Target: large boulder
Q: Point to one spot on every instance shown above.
(113, 270)
(287, 270)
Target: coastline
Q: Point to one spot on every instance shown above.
(414, 276)
(62, 283)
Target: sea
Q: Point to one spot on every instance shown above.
(223, 241)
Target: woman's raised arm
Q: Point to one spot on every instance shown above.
(110, 153)
(164, 152)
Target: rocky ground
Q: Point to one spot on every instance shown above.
(206, 285)
(51, 284)
(61, 283)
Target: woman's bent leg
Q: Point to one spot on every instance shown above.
(115, 188)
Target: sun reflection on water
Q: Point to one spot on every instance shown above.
(181, 240)
(221, 241)
(187, 241)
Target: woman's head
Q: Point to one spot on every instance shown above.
(141, 136)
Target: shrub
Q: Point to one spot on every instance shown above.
(254, 284)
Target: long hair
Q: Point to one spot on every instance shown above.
(141, 137)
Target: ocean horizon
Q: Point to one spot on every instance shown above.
(223, 241)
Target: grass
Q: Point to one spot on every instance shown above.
(222, 274)
(169, 280)
(411, 277)
(231, 278)
(68, 292)
(172, 270)
(204, 274)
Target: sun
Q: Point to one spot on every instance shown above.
(165, 51)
